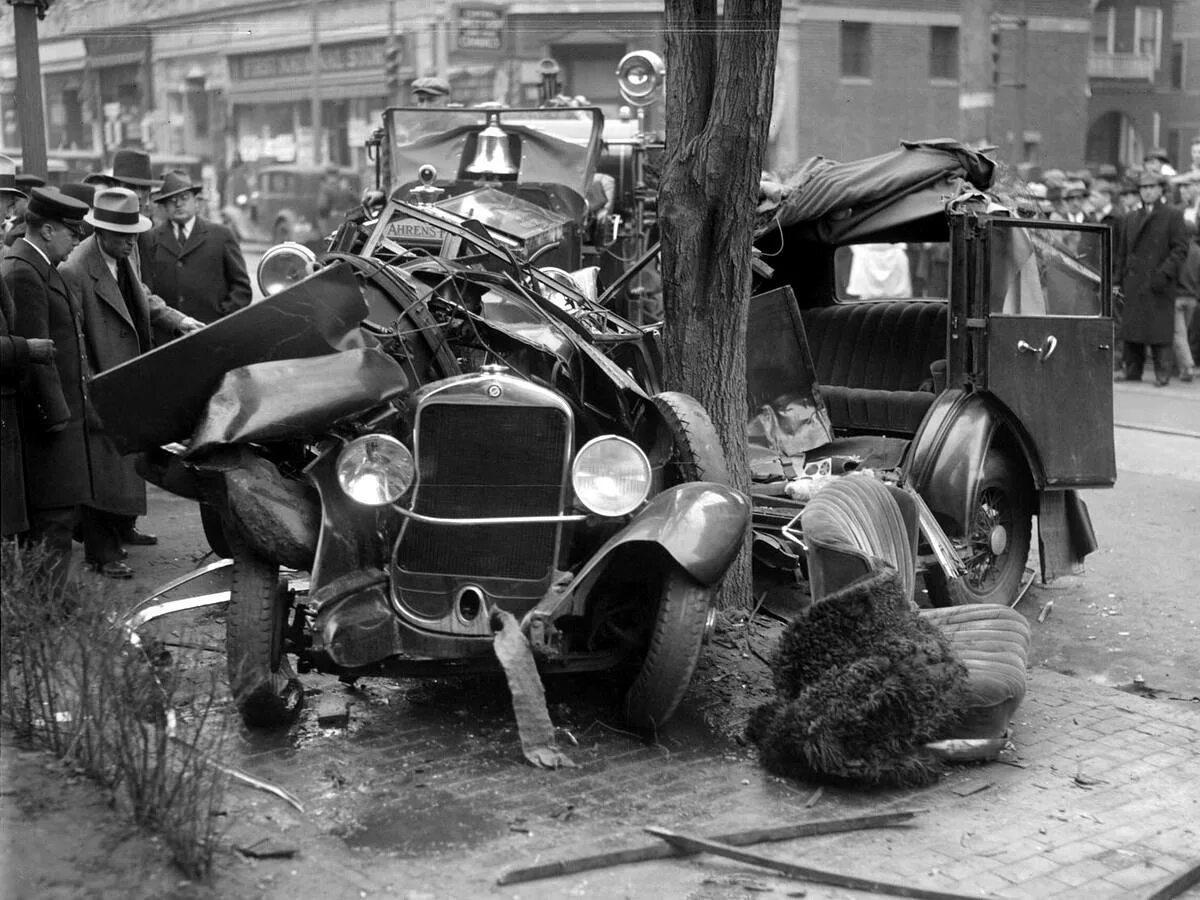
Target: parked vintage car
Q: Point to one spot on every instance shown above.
(288, 202)
(451, 443)
(990, 396)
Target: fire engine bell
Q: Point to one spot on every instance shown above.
(492, 157)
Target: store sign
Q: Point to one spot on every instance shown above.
(364, 56)
(480, 27)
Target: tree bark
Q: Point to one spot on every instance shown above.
(719, 85)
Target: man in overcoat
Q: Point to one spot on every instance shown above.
(198, 267)
(120, 319)
(17, 354)
(1152, 245)
(58, 475)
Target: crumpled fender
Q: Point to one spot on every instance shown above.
(701, 526)
(280, 518)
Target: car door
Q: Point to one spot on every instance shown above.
(1048, 350)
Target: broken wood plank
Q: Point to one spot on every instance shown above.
(737, 838)
(792, 870)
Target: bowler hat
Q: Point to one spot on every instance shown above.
(84, 193)
(51, 203)
(175, 182)
(431, 84)
(117, 209)
(133, 167)
(8, 177)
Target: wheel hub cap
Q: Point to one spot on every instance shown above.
(999, 539)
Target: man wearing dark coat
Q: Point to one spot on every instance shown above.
(198, 266)
(17, 354)
(120, 319)
(1152, 245)
(58, 475)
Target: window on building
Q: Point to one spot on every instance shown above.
(943, 53)
(856, 50)
(1147, 33)
(1177, 65)
(1104, 30)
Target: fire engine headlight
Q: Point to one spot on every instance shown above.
(283, 265)
(375, 469)
(611, 476)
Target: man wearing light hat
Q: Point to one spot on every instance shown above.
(17, 354)
(53, 424)
(120, 318)
(198, 266)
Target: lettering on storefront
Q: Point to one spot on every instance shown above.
(480, 27)
(287, 63)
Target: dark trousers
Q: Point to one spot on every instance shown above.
(1135, 360)
(102, 535)
(52, 526)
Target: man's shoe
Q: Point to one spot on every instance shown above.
(1186, 376)
(113, 570)
(1161, 382)
(138, 539)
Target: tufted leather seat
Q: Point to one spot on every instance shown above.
(873, 361)
(855, 525)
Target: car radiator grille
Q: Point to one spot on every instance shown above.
(482, 461)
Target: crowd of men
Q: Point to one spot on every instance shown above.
(1154, 212)
(93, 274)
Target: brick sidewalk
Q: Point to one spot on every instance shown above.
(1104, 802)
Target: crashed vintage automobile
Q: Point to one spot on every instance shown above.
(988, 395)
(447, 445)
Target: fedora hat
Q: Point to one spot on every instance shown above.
(117, 209)
(100, 179)
(175, 182)
(1147, 178)
(81, 191)
(8, 177)
(133, 167)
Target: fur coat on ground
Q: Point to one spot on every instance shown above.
(862, 684)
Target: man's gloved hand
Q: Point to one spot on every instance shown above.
(41, 350)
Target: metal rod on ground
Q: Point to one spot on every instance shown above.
(737, 838)
(699, 845)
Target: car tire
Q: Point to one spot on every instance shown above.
(1002, 500)
(679, 629)
(697, 454)
(264, 686)
(214, 533)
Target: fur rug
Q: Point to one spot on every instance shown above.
(862, 683)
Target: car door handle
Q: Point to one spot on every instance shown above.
(1044, 351)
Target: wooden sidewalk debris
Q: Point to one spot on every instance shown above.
(737, 838)
(820, 876)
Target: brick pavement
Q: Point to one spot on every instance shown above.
(420, 799)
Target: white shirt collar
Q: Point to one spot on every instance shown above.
(187, 227)
(109, 261)
(41, 252)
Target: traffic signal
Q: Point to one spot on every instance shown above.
(391, 67)
(995, 53)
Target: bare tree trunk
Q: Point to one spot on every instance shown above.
(720, 79)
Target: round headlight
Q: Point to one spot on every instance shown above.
(375, 469)
(283, 265)
(611, 476)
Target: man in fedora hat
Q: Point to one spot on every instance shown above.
(131, 169)
(14, 224)
(1151, 247)
(197, 266)
(120, 318)
(17, 354)
(54, 426)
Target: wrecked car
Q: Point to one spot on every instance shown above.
(945, 343)
(441, 444)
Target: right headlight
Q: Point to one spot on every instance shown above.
(611, 475)
(283, 265)
(375, 469)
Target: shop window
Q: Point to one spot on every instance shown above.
(943, 53)
(1104, 30)
(856, 50)
(1177, 65)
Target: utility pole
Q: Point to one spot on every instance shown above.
(30, 116)
(977, 89)
(317, 135)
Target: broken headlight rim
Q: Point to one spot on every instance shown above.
(375, 469)
(611, 476)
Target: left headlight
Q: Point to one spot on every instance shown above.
(611, 475)
(283, 265)
(375, 469)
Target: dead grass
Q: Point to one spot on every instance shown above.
(72, 682)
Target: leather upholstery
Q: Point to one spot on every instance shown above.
(855, 525)
(873, 360)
